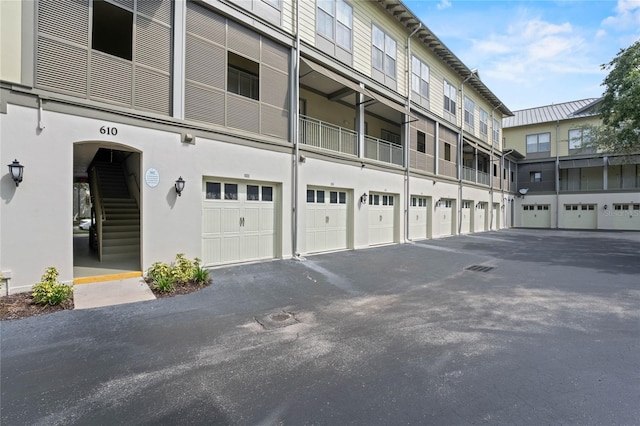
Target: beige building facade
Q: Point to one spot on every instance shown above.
(297, 127)
(561, 182)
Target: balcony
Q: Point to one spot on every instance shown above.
(323, 135)
(469, 174)
(328, 136)
(380, 150)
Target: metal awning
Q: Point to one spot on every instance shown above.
(334, 76)
(388, 103)
(623, 159)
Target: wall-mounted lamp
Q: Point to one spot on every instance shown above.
(439, 203)
(606, 206)
(363, 198)
(303, 159)
(16, 169)
(179, 185)
(478, 205)
(188, 138)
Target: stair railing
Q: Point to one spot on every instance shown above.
(99, 209)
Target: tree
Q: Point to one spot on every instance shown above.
(620, 106)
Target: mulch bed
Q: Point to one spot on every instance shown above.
(20, 305)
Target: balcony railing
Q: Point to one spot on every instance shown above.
(377, 149)
(469, 174)
(328, 136)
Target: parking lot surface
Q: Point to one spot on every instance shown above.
(517, 326)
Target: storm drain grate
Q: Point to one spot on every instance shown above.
(480, 268)
(277, 320)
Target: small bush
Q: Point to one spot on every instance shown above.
(164, 277)
(200, 276)
(49, 291)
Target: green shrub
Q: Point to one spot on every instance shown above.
(160, 271)
(49, 291)
(183, 268)
(200, 276)
(164, 284)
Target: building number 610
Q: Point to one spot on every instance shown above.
(105, 130)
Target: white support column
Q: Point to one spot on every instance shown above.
(179, 38)
(360, 127)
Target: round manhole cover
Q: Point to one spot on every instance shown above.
(280, 317)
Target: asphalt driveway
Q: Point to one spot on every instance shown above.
(543, 329)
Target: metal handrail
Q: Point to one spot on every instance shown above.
(98, 202)
(328, 136)
(381, 150)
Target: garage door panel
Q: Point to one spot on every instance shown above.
(230, 249)
(230, 220)
(326, 215)
(580, 216)
(211, 220)
(212, 250)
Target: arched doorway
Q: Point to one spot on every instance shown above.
(106, 240)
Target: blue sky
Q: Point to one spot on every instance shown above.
(534, 53)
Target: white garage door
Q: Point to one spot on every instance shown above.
(326, 214)
(535, 216)
(382, 218)
(238, 222)
(480, 222)
(580, 216)
(626, 216)
(466, 217)
(496, 216)
(418, 218)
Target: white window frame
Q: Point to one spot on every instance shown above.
(577, 141)
(537, 142)
(496, 132)
(484, 122)
(450, 98)
(338, 20)
(469, 112)
(420, 76)
(388, 51)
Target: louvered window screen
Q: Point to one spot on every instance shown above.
(234, 77)
(85, 48)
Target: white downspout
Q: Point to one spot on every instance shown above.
(493, 123)
(407, 137)
(557, 174)
(296, 136)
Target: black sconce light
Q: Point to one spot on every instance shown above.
(363, 198)
(478, 205)
(606, 206)
(16, 169)
(439, 203)
(179, 186)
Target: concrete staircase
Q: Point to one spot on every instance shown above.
(121, 228)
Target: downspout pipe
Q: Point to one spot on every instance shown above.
(296, 135)
(557, 174)
(491, 168)
(460, 143)
(407, 137)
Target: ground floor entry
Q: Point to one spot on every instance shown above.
(327, 224)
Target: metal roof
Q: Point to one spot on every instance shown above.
(552, 113)
(404, 15)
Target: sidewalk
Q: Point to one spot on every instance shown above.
(111, 293)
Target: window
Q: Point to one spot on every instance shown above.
(342, 197)
(374, 200)
(535, 176)
(578, 137)
(274, 3)
(267, 193)
(495, 170)
(512, 176)
(383, 52)
(466, 204)
(448, 203)
(243, 76)
(447, 151)
(450, 96)
(496, 132)
(420, 77)
(422, 146)
(320, 196)
(335, 22)
(230, 191)
(333, 197)
(112, 30)
(540, 142)
(469, 112)
(253, 192)
(311, 196)
(213, 191)
(484, 122)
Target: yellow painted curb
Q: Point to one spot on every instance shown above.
(110, 277)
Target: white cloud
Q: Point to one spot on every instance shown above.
(444, 4)
(627, 15)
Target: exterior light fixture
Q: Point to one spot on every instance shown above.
(439, 203)
(606, 206)
(478, 205)
(16, 169)
(363, 198)
(179, 186)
